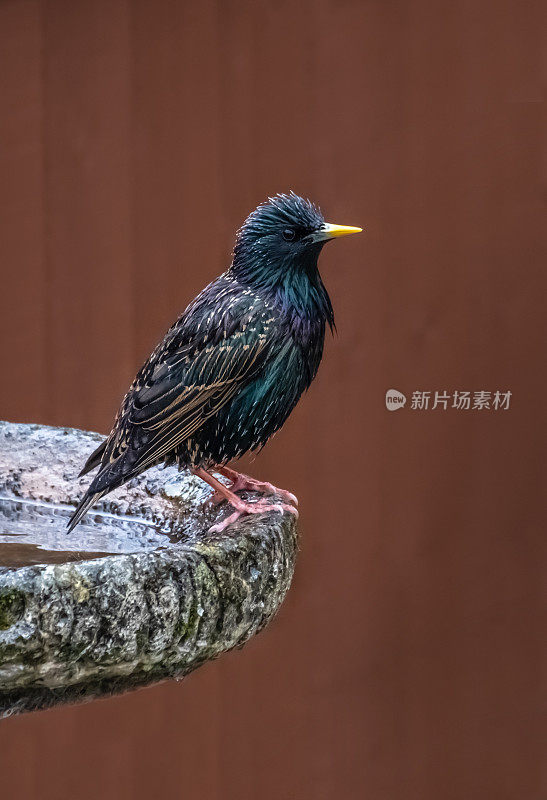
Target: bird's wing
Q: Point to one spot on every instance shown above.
(189, 378)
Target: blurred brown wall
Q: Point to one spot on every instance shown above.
(134, 138)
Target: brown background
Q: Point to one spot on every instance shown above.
(134, 138)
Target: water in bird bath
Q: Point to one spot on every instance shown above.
(34, 532)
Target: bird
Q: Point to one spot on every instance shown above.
(231, 369)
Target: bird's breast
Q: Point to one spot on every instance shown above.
(309, 338)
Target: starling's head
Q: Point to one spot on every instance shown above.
(280, 241)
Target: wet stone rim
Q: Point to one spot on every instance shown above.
(85, 629)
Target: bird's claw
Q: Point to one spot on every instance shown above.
(268, 488)
(260, 507)
(243, 483)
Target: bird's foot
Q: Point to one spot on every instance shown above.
(244, 483)
(215, 499)
(242, 508)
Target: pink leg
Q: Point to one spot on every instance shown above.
(243, 483)
(241, 507)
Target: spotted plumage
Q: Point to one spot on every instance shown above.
(231, 369)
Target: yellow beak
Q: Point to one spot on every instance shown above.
(339, 230)
(330, 231)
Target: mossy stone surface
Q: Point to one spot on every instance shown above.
(118, 608)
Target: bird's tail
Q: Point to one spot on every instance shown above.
(83, 506)
(94, 459)
(109, 477)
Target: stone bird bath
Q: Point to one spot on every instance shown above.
(138, 593)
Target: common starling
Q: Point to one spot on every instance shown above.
(231, 369)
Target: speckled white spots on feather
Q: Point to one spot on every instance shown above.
(230, 370)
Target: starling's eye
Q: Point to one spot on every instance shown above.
(289, 235)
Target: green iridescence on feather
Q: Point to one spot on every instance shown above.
(231, 369)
